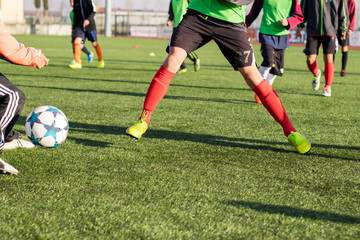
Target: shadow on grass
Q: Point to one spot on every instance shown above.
(295, 212)
(243, 143)
(90, 143)
(147, 82)
(134, 94)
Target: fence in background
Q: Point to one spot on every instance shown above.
(125, 23)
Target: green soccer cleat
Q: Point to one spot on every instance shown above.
(197, 65)
(101, 64)
(139, 128)
(75, 65)
(301, 144)
(183, 70)
(316, 82)
(193, 57)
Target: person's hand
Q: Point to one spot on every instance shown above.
(169, 23)
(86, 22)
(298, 32)
(350, 32)
(343, 36)
(41, 61)
(284, 22)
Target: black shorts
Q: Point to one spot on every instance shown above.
(196, 29)
(80, 33)
(313, 44)
(345, 42)
(273, 58)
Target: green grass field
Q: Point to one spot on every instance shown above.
(213, 164)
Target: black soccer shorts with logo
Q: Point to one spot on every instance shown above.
(197, 29)
(313, 44)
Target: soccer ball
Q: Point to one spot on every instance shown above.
(47, 126)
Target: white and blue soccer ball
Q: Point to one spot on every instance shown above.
(47, 126)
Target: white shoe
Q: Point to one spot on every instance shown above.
(316, 81)
(326, 92)
(7, 168)
(18, 143)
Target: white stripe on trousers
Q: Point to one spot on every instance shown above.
(10, 110)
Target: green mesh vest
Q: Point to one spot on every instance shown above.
(274, 10)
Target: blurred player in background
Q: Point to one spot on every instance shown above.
(278, 18)
(177, 10)
(12, 99)
(223, 22)
(89, 54)
(344, 43)
(84, 12)
(325, 20)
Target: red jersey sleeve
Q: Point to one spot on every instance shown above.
(352, 14)
(296, 16)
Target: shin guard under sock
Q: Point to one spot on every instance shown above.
(157, 90)
(99, 52)
(77, 52)
(313, 67)
(329, 73)
(273, 105)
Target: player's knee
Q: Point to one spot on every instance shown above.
(78, 41)
(21, 98)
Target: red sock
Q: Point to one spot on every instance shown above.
(273, 105)
(313, 67)
(329, 73)
(157, 90)
(99, 52)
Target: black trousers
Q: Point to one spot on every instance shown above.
(12, 101)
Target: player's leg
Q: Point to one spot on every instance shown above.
(271, 101)
(79, 36)
(77, 49)
(101, 63)
(183, 68)
(72, 45)
(157, 90)
(344, 51)
(186, 38)
(278, 67)
(328, 49)
(241, 56)
(92, 36)
(268, 54)
(89, 54)
(311, 52)
(12, 101)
